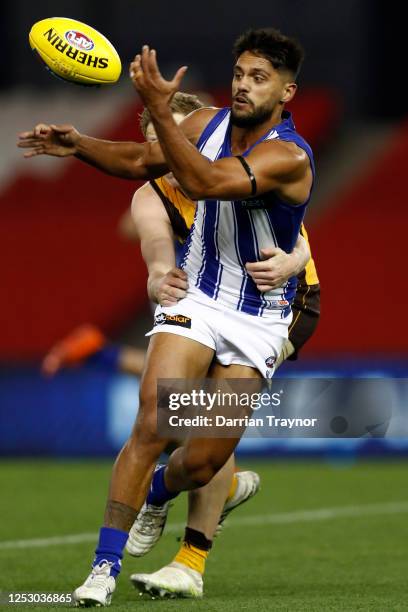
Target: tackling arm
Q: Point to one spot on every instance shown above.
(166, 284)
(130, 160)
(277, 266)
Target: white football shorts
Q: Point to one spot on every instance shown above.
(236, 337)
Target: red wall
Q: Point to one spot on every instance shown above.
(360, 248)
(63, 262)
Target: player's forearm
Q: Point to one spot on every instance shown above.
(160, 259)
(121, 159)
(300, 255)
(158, 255)
(191, 169)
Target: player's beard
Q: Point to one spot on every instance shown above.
(256, 117)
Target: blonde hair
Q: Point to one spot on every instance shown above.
(181, 102)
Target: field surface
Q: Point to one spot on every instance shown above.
(317, 537)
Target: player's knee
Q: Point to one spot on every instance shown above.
(200, 470)
(147, 398)
(145, 428)
(145, 443)
(144, 435)
(145, 431)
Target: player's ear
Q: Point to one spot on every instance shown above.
(289, 91)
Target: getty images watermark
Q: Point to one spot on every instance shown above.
(283, 408)
(210, 402)
(224, 409)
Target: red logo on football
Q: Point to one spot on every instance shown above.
(79, 40)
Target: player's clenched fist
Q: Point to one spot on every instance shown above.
(58, 140)
(167, 290)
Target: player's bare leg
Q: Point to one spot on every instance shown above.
(208, 462)
(205, 504)
(169, 356)
(196, 462)
(208, 505)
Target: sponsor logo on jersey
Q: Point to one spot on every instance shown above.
(76, 54)
(79, 41)
(253, 204)
(276, 304)
(167, 319)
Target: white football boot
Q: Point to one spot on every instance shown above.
(97, 589)
(248, 484)
(171, 581)
(147, 529)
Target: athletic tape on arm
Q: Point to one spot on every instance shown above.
(249, 172)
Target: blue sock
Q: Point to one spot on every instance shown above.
(110, 548)
(107, 357)
(159, 494)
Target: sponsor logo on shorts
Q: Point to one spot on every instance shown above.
(270, 361)
(270, 364)
(167, 319)
(79, 41)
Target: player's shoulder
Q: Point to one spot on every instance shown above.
(290, 153)
(205, 113)
(197, 120)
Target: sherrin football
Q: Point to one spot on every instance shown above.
(75, 52)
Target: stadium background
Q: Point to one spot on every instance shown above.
(64, 262)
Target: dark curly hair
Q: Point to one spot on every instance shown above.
(283, 52)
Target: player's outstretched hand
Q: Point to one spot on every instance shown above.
(274, 270)
(58, 140)
(167, 290)
(154, 90)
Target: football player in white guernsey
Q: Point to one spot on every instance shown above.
(252, 175)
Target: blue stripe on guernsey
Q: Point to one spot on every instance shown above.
(179, 252)
(271, 228)
(187, 245)
(203, 247)
(251, 298)
(210, 274)
(285, 221)
(241, 263)
(211, 127)
(258, 257)
(221, 267)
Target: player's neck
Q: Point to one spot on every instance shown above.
(243, 138)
